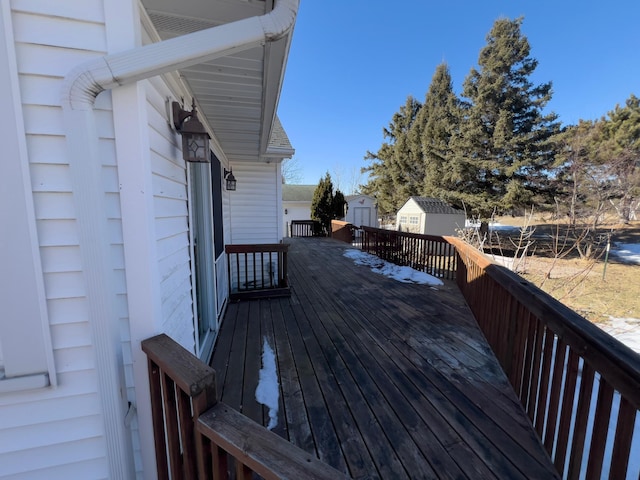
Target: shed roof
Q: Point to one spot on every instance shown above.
(434, 205)
(348, 198)
(297, 193)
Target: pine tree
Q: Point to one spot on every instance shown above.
(437, 122)
(325, 206)
(622, 142)
(504, 147)
(397, 172)
(339, 203)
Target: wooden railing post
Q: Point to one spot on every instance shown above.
(182, 388)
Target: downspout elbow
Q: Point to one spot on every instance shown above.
(85, 82)
(277, 23)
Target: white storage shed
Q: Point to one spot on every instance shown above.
(429, 216)
(362, 211)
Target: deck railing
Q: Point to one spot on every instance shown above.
(305, 228)
(426, 253)
(257, 271)
(579, 386)
(343, 231)
(198, 437)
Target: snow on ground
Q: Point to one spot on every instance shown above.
(267, 391)
(627, 252)
(627, 330)
(401, 274)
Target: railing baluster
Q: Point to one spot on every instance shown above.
(535, 371)
(554, 399)
(566, 415)
(600, 430)
(220, 463)
(186, 435)
(622, 440)
(581, 418)
(171, 425)
(157, 415)
(261, 270)
(541, 409)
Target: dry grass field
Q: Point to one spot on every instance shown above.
(583, 285)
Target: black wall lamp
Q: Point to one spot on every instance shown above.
(195, 139)
(231, 180)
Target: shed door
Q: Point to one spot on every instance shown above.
(362, 216)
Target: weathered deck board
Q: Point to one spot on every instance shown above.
(378, 378)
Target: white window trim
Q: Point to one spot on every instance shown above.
(25, 337)
(414, 220)
(403, 219)
(202, 212)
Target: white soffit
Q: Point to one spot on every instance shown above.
(237, 93)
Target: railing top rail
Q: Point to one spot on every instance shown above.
(434, 238)
(269, 455)
(189, 373)
(261, 247)
(614, 360)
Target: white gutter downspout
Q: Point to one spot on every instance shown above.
(81, 87)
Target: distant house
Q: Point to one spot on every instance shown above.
(362, 211)
(429, 216)
(296, 203)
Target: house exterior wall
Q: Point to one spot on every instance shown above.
(60, 433)
(171, 214)
(255, 208)
(65, 432)
(295, 211)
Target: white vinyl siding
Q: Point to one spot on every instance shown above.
(254, 205)
(59, 433)
(428, 223)
(170, 192)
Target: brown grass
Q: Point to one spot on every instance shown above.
(583, 285)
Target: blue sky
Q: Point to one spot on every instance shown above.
(353, 63)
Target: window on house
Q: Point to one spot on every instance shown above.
(414, 220)
(403, 219)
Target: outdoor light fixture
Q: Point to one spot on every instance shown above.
(231, 180)
(195, 139)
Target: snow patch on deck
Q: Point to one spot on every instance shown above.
(268, 389)
(401, 274)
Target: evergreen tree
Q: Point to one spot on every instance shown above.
(397, 172)
(325, 206)
(504, 147)
(622, 146)
(338, 205)
(437, 122)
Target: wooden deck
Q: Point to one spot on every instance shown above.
(380, 379)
